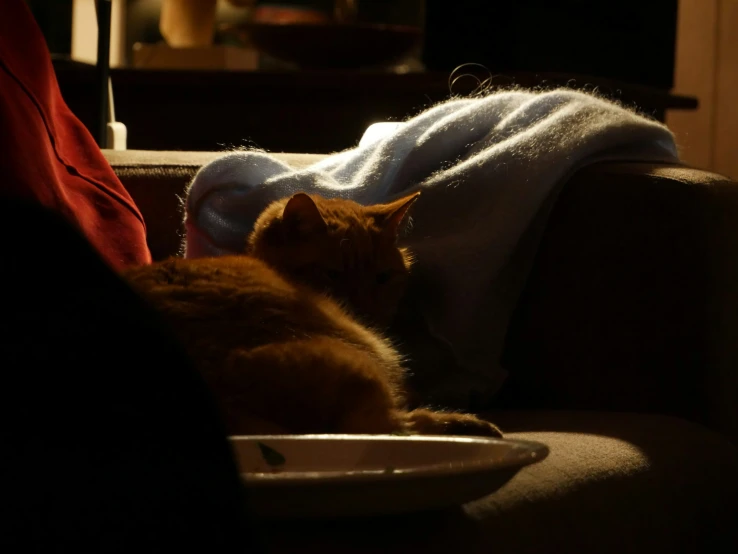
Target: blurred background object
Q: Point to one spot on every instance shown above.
(189, 34)
(628, 40)
(642, 53)
(187, 23)
(55, 20)
(340, 34)
(286, 34)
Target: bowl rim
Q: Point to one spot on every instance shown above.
(521, 454)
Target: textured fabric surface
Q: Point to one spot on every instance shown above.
(612, 483)
(615, 482)
(48, 156)
(631, 304)
(486, 167)
(618, 313)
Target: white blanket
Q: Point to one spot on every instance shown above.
(488, 168)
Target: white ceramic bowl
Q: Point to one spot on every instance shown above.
(350, 475)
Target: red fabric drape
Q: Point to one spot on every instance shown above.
(47, 155)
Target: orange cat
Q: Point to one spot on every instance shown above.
(350, 251)
(340, 247)
(281, 356)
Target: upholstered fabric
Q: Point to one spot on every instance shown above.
(630, 304)
(488, 167)
(611, 318)
(613, 483)
(633, 301)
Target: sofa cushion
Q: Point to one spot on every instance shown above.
(631, 301)
(615, 481)
(612, 483)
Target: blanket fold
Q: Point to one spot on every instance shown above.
(489, 169)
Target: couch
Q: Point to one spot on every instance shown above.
(623, 359)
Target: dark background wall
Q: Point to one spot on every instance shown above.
(628, 40)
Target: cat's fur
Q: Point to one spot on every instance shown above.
(279, 354)
(342, 248)
(339, 247)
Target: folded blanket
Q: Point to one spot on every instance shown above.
(488, 168)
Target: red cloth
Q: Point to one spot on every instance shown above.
(47, 155)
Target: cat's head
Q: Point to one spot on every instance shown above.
(338, 246)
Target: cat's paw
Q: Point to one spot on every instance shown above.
(428, 422)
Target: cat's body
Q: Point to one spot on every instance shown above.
(282, 356)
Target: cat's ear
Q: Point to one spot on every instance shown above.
(393, 215)
(302, 216)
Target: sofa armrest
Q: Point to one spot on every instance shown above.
(632, 302)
